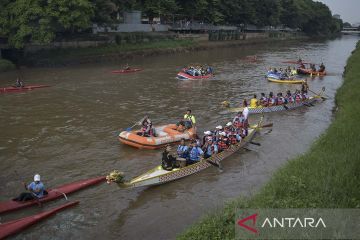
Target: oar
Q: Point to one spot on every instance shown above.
(136, 123)
(214, 164)
(264, 126)
(255, 143)
(323, 98)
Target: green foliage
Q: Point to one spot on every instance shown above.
(325, 177)
(6, 65)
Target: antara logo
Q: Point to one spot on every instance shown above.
(287, 222)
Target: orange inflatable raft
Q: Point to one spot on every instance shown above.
(165, 134)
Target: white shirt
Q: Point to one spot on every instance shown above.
(246, 113)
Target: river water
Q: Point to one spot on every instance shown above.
(69, 132)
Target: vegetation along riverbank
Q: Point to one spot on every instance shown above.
(6, 65)
(327, 176)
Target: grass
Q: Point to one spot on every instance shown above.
(62, 55)
(327, 176)
(6, 65)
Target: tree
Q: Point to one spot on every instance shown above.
(347, 25)
(153, 8)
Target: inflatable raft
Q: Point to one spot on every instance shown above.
(183, 75)
(163, 135)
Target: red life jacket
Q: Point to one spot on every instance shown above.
(222, 144)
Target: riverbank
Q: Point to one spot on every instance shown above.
(327, 176)
(115, 52)
(6, 65)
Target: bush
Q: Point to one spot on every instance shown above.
(6, 65)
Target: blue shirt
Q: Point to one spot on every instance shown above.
(182, 151)
(37, 189)
(195, 153)
(210, 151)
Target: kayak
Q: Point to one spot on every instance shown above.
(164, 134)
(183, 75)
(21, 89)
(158, 175)
(307, 71)
(131, 70)
(53, 194)
(277, 108)
(290, 81)
(15, 226)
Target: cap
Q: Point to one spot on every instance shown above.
(37, 178)
(222, 134)
(219, 127)
(207, 133)
(229, 124)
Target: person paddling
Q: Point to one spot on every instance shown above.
(189, 119)
(168, 160)
(19, 83)
(36, 190)
(127, 67)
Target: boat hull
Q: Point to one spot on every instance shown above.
(184, 76)
(53, 194)
(166, 135)
(158, 176)
(15, 226)
(23, 89)
(289, 81)
(307, 71)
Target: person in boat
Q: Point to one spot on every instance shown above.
(271, 99)
(232, 134)
(304, 88)
(168, 161)
(313, 68)
(127, 67)
(288, 97)
(210, 148)
(36, 190)
(189, 119)
(208, 135)
(245, 113)
(217, 131)
(263, 100)
(223, 142)
(238, 120)
(254, 103)
(298, 96)
(280, 99)
(322, 67)
(293, 72)
(19, 83)
(209, 70)
(146, 127)
(302, 66)
(300, 60)
(195, 153)
(182, 149)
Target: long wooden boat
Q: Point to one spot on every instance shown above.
(12, 89)
(158, 175)
(8, 206)
(164, 134)
(15, 226)
(276, 108)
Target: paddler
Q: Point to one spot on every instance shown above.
(146, 127)
(168, 160)
(36, 190)
(195, 153)
(189, 119)
(127, 67)
(254, 103)
(322, 67)
(182, 149)
(263, 100)
(245, 113)
(304, 88)
(19, 83)
(238, 120)
(210, 148)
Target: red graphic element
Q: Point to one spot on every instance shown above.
(251, 217)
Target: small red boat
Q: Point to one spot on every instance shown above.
(53, 194)
(183, 75)
(15, 226)
(21, 89)
(131, 70)
(308, 71)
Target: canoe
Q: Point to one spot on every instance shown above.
(277, 108)
(307, 71)
(294, 62)
(289, 81)
(12, 89)
(185, 76)
(53, 194)
(164, 134)
(131, 70)
(158, 175)
(15, 226)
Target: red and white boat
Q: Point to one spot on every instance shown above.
(184, 75)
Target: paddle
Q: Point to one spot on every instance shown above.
(323, 98)
(136, 123)
(214, 164)
(255, 143)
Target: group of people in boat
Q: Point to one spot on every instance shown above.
(147, 129)
(312, 66)
(213, 142)
(198, 70)
(286, 73)
(279, 99)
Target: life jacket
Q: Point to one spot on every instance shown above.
(181, 152)
(222, 144)
(253, 102)
(232, 138)
(298, 98)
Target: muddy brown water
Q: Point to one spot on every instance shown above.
(69, 132)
